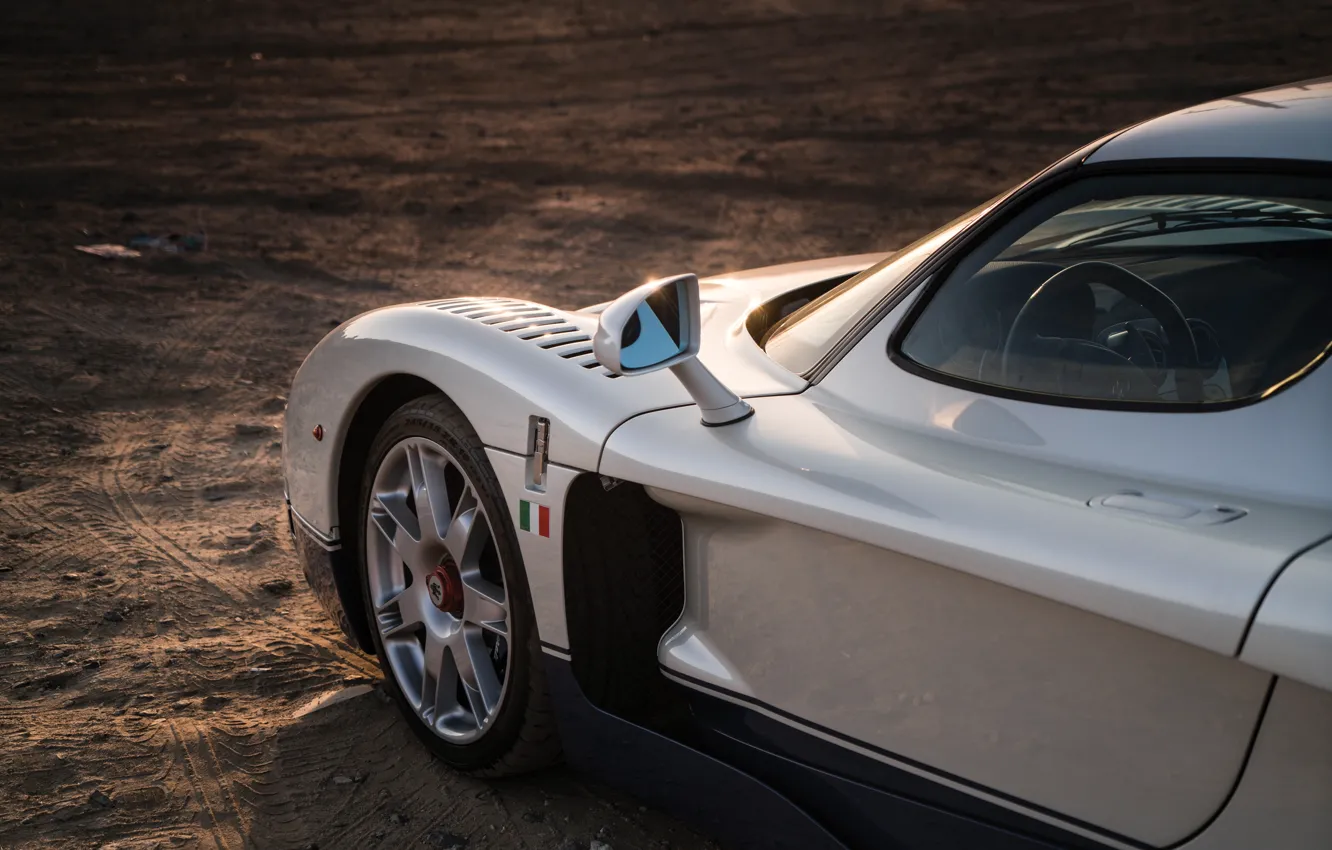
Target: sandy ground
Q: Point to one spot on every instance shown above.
(340, 156)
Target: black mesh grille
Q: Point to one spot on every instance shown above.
(623, 588)
(666, 552)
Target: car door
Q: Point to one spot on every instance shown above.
(1033, 601)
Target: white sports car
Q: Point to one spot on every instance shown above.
(1018, 537)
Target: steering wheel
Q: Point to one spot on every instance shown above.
(1181, 348)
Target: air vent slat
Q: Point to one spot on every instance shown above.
(497, 312)
(556, 340)
(467, 303)
(545, 328)
(477, 311)
(523, 324)
(515, 313)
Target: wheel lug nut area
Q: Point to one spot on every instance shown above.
(444, 586)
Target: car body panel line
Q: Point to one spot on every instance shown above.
(990, 795)
(1239, 776)
(1291, 633)
(1271, 583)
(1282, 800)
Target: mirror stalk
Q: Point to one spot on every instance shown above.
(718, 404)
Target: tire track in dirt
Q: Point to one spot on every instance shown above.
(133, 519)
(219, 578)
(13, 388)
(227, 763)
(220, 771)
(188, 339)
(380, 763)
(225, 771)
(21, 516)
(194, 748)
(184, 351)
(49, 791)
(38, 558)
(77, 316)
(214, 772)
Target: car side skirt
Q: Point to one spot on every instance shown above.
(725, 773)
(711, 795)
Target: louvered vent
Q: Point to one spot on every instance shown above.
(539, 325)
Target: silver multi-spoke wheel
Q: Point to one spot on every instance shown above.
(446, 595)
(436, 584)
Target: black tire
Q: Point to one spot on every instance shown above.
(522, 736)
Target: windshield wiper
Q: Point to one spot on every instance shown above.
(1154, 224)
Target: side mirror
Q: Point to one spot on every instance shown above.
(654, 326)
(657, 326)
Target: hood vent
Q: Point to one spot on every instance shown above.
(543, 327)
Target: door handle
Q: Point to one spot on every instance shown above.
(1167, 509)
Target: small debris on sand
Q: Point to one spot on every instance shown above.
(109, 252)
(278, 586)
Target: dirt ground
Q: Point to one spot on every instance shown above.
(340, 156)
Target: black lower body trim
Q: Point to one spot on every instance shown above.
(755, 783)
(330, 574)
(873, 804)
(731, 805)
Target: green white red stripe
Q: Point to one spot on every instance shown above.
(534, 518)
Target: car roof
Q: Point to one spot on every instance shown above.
(1292, 121)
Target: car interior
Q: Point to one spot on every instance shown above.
(1095, 312)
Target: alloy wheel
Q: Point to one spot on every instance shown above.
(437, 587)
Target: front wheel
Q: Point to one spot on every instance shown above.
(444, 582)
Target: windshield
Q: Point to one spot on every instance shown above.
(799, 341)
(1165, 289)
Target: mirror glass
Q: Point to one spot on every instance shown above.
(655, 334)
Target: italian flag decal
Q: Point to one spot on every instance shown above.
(534, 518)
